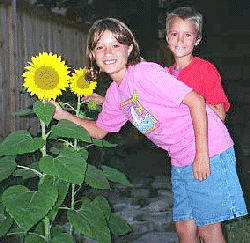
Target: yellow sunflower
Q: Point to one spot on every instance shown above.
(79, 85)
(46, 76)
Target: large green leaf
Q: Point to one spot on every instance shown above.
(62, 193)
(68, 166)
(28, 207)
(103, 143)
(116, 176)
(5, 221)
(7, 166)
(118, 226)
(90, 222)
(44, 111)
(104, 206)
(96, 179)
(63, 238)
(20, 142)
(68, 129)
(24, 112)
(34, 239)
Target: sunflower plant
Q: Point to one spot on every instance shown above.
(56, 164)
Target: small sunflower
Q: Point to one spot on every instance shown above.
(46, 76)
(79, 85)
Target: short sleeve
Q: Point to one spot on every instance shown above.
(213, 90)
(158, 82)
(111, 118)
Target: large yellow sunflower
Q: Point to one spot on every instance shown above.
(79, 85)
(46, 76)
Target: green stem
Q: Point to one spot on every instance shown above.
(47, 229)
(75, 147)
(27, 168)
(72, 206)
(43, 149)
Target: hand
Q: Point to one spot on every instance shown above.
(98, 98)
(201, 167)
(59, 112)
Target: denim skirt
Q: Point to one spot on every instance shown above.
(216, 199)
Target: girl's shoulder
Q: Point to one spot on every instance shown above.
(147, 67)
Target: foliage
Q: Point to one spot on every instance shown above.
(237, 230)
(60, 169)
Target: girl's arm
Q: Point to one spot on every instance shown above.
(93, 130)
(98, 98)
(219, 109)
(196, 104)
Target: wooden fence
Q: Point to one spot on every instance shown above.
(25, 32)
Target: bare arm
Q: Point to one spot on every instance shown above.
(93, 130)
(98, 98)
(219, 109)
(196, 104)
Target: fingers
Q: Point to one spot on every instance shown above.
(201, 175)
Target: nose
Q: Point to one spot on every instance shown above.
(108, 50)
(180, 38)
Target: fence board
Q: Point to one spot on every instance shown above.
(37, 30)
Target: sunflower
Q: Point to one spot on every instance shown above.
(46, 76)
(79, 85)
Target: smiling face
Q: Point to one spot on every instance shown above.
(111, 56)
(181, 38)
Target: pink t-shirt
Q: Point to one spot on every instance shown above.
(151, 99)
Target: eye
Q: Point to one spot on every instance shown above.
(116, 46)
(188, 35)
(173, 34)
(98, 48)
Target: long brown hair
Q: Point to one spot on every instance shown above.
(123, 35)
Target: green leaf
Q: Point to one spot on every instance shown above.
(31, 238)
(96, 179)
(103, 143)
(28, 207)
(20, 142)
(24, 112)
(104, 206)
(44, 111)
(7, 166)
(116, 176)
(118, 226)
(68, 129)
(5, 221)
(90, 222)
(84, 153)
(62, 187)
(63, 238)
(68, 166)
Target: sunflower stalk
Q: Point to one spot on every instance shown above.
(75, 148)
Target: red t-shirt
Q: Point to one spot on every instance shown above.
(203, 78)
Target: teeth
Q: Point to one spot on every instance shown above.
(109, 62)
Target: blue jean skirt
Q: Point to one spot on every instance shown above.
(213, 200)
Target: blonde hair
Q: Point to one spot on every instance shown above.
(123, 35)
(189, 14)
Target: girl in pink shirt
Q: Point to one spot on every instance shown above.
(175, 118)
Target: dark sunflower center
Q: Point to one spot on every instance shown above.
(82, 83)
(46, 78)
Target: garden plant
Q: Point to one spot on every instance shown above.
(58, 166)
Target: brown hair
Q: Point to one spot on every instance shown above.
(123, 35)
(189, 14)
